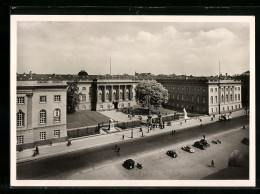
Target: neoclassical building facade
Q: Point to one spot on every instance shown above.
(203, 95)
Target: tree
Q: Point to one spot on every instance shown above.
(82, 72)
(72, 96)
(151, 94)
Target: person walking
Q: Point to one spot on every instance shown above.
(204, 136)
(123, 137)
(116, 146)
(172, 132)
(212, 163)
(37, 150)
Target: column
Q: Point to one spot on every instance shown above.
(117, 92)
(29, 110)
(124, 92)
(131, 92)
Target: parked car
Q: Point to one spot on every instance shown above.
(245, 141)
(216, 141)
(199, 145)
(187, 149)
(172, 153)
(205, 143)
(129, 164)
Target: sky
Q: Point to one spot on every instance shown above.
(65, 47)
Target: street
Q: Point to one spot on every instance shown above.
(104, 163)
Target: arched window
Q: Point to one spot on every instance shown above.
(198, 98)
(56, 115)
(211, 99)
(187, 97)
(114, 96)
(43, 117)
(222, 98)
(83, 97)
(120, 95)
(231, 98)
(127, 95)
(238, 97)
(226, 98)
(100, 97)
(235, 97)
(204, 99)
(20, 119)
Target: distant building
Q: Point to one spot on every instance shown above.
(41, 111)
(204, 95)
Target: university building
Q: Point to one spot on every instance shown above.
(207, 95)
(41, 111)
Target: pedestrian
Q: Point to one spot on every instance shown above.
(244, 127)
(172, 132)
(142, 134)
(212, 163)
(37, 150)
(116, 146)
(204, 136)
(200, 120)
(141, 129)
(21, 149)
(211, 118)
(185, 121)
(123, 137)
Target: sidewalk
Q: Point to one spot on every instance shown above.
(113, 138)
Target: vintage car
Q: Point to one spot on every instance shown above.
(199, 145)
(172, 153)
(187, 149)
(216, 141)
(205, 143)
(129, 164)
(245, 141)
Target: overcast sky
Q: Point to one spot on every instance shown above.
(155, 47)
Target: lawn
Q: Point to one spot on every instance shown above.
(85, 118)
(162, 110)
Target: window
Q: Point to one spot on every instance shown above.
(216, 99)
(182, 88)
(235, 97)
(120, 95)
(192, 98)
(204, 99)
(226, 98)
(107, 96)
(100, 97)
(56, 115)
(216, 89)
(198, 98)
(20, 119)
(84, 107)
(239, 106)
(43, 117)
(42, 135)
(178, 88)
(83, 97)
(192, 89)
(187, 89)
(173, 87)
(19, 140)
(232, 107)
(127, 95)
(56, 98)
(20, 100)
(211, 89)
(235, 88)
(223, 108)
(235, 106)
(211, 100)
(198, 89)
(204, 90)
(238, 97)
(57, 133)
(182, 97)
(101, 106)
(43, 99)
(114, 96)
(238, 88)
(231, 89)
(231, 97)
(177, 105)
(173, 96)
(83, 88)
(212, 110)
(227, 107)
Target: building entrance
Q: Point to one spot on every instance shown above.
(116, 105)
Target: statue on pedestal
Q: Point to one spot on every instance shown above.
(185, 114)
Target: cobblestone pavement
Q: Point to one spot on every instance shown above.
(102, 139)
